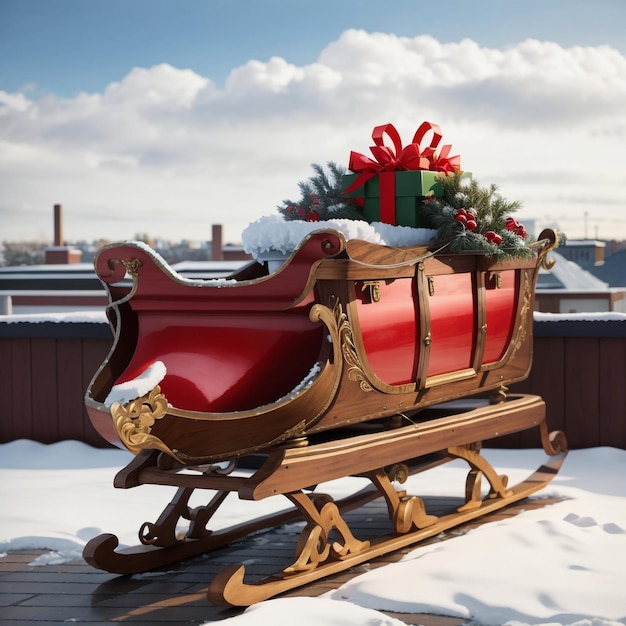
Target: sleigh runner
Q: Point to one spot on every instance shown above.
(322, 369)
(326, 544)
(363, 354)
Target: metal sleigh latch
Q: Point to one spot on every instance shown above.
(494, 280)
(431, 285)
(371, 289)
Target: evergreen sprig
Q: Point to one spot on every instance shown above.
(321, 197)
(493, 231)
(486, 224)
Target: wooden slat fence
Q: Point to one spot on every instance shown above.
(44, 371)
(579, 369)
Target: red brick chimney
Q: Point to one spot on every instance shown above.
(58, 226)
(60, 254)
(217, 244)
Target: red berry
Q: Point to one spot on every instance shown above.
(460, 218)
(471, 225)
(313, 217)
(514, 226)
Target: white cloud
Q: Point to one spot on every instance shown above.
(161, 86)
(12, 102)
(542, 121)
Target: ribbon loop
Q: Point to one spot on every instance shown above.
(424, 127)
(396, 158)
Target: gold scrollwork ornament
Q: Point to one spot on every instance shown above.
(133, 421)
(132, 266)
(348, 349)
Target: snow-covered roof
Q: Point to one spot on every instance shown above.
(613, 270)
(52, 268)
(568, 275)
(585, 242)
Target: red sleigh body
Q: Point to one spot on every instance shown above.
(343, 333)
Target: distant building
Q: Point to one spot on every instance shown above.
(568, 288)
(587, 253)
(604, 260)
(75, 287)
(63, 284)
(613, 270)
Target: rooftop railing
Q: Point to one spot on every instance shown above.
(46, 363)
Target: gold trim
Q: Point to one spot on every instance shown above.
(426, 282)
(549, 240)
(356, 372)
(479, 297)
(355, 353)
(449, 377)
(133, 421)
(423, 308)
(523, 281)
(431, 285)
(520, 335)
(132, 266)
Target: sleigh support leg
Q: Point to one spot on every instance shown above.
(316, 558)
(405, 512)
(160, 545)
(327, 544)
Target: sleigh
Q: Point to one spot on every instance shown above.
(351, 359)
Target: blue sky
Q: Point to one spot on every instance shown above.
(67, 46)
(131, 112)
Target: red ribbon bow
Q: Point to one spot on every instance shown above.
(412, 157)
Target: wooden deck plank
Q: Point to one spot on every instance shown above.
(56, 594)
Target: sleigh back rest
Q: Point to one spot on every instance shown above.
(226, 344)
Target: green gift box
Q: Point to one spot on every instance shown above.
(403, 207)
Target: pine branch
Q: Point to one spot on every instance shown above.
(490, 213)
(467, 217)
(321, 197)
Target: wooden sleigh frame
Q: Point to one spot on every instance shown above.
(327, 544)
(324, 313)
(300, 351)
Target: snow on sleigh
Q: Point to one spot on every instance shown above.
(349, 359)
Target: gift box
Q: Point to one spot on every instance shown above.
(401, 205)
(392, 186)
